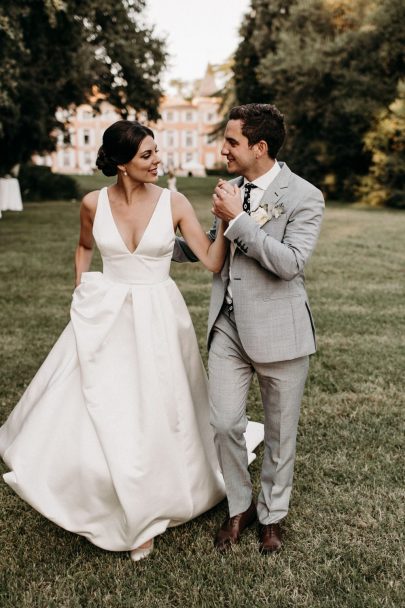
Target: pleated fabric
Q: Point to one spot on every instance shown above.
(112, 438)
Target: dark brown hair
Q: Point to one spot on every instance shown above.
(261, 121)
(121, 142)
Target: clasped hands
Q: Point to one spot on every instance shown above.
(226, 201)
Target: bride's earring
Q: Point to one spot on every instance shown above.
(125, 173)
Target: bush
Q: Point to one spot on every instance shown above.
(40, 184)
(218, 169)
(396, 200)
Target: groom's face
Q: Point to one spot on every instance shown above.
(240, 157)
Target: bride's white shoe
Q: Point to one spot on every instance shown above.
(141, 553)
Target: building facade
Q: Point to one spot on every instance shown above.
(182, 134)
(76, 152)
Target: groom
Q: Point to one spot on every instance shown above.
(259, 320)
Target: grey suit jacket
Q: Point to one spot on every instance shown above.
(271, 306)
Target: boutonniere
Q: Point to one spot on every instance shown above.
(266, 212)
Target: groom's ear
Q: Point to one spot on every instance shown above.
(261, 149)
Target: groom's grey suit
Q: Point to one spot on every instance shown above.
(270, 331)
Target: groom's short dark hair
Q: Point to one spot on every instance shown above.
(261, 121)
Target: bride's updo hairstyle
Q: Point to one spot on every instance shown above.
(121, 142)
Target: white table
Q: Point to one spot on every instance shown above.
(10, 195)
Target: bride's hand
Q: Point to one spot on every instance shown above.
(227, 202)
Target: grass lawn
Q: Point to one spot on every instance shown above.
(345, 536)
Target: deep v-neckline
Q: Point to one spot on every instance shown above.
(146, 227)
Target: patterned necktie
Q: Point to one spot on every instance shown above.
(246, 198)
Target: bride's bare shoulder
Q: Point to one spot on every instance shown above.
(89, 201)
(181, 207)
(178, 200)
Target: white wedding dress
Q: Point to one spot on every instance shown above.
(112, 439)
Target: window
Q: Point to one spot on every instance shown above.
(189, 139)
(86, 137)
(169, 116)
(189, 157)
(87, 158)
(66, 138)
(189, 116)
(210, 117)
(170, 138)
(108, 113)
(66, 159)
(210, 160)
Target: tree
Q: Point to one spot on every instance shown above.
(385, 182)
(260, 30)
(183, 88)
(52, 55)
(313, 76)
(330, 66)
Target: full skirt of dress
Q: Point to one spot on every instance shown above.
(112, 438)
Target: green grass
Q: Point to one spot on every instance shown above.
(344, 542)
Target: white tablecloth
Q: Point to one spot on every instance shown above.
(10, 195)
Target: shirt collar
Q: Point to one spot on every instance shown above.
(264, 181)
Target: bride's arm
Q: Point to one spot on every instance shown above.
(210, 253)
(84, 249)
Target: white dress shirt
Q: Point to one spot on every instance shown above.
(256, 194)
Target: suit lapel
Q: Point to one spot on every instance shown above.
(278, 187)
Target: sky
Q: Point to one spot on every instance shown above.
(198, 32)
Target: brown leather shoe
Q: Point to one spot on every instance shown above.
(230, 531)
(270, 538)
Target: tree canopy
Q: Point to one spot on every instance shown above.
(331, 66)
(52, 55)
(385, 182)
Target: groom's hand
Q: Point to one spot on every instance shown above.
(227, 203)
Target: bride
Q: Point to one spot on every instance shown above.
(111, 440)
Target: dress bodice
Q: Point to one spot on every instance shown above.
(150, 262)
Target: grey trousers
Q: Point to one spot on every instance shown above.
(281, 386)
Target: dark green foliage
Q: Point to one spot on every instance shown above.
(331, 67)
(220, 171)
(52, 54)
(260, 30)
(40, 184)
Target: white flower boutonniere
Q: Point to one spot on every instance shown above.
(266, 212)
